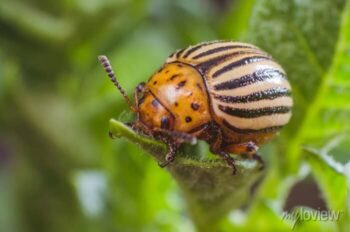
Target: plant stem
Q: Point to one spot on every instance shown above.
(208, 185)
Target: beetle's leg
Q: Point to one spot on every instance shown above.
(170, 157)
(229, 160)
(216, 148)
(139, 126)
(179, 137)
(249, 149)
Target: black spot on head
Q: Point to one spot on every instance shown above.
(181, 84)
(179, 65)
(155, 103)
(188, 119)
(154, 82)
(176, 104)
(164, 122)
(173, 77)
(167, 71)
(194, 106)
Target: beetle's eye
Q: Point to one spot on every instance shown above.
(164, 122)
(140, 87)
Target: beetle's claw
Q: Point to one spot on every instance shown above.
(110, 134)
(169, 158)
(260, 160)
(234, 170)
(230, 161)
(163, 164)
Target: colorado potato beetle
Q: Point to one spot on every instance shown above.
(232, 95)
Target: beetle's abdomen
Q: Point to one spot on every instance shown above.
(252, 97)
(249, 93)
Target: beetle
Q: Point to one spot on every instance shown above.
(232, 95)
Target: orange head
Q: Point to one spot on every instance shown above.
(153, 113)
(175, 98)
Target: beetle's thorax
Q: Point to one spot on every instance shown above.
(175, 98)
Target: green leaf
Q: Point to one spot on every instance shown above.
(300, 36)
(333, 182)
(293, 32)
(331, 120)
(302, 39)
(208, 185)
(331, 178)
(330, 113)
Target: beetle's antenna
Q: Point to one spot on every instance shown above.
(108, 68)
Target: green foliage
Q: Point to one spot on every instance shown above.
(329, 173)
(55, 105)
(303, 41)
(208, 185)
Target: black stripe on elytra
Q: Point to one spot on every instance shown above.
(219, 49)
(238, 63)
(196, 47)
(172, 54)
(254, 113)
(268, 94)
(251, 131)
(206, 65)
(178, 54)
(250, 78)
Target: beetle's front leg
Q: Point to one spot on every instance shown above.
(216, 148)
(170, 156)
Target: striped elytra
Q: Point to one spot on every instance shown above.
(232, 95)
(248, 91)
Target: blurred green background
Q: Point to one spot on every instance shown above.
(59, 170)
